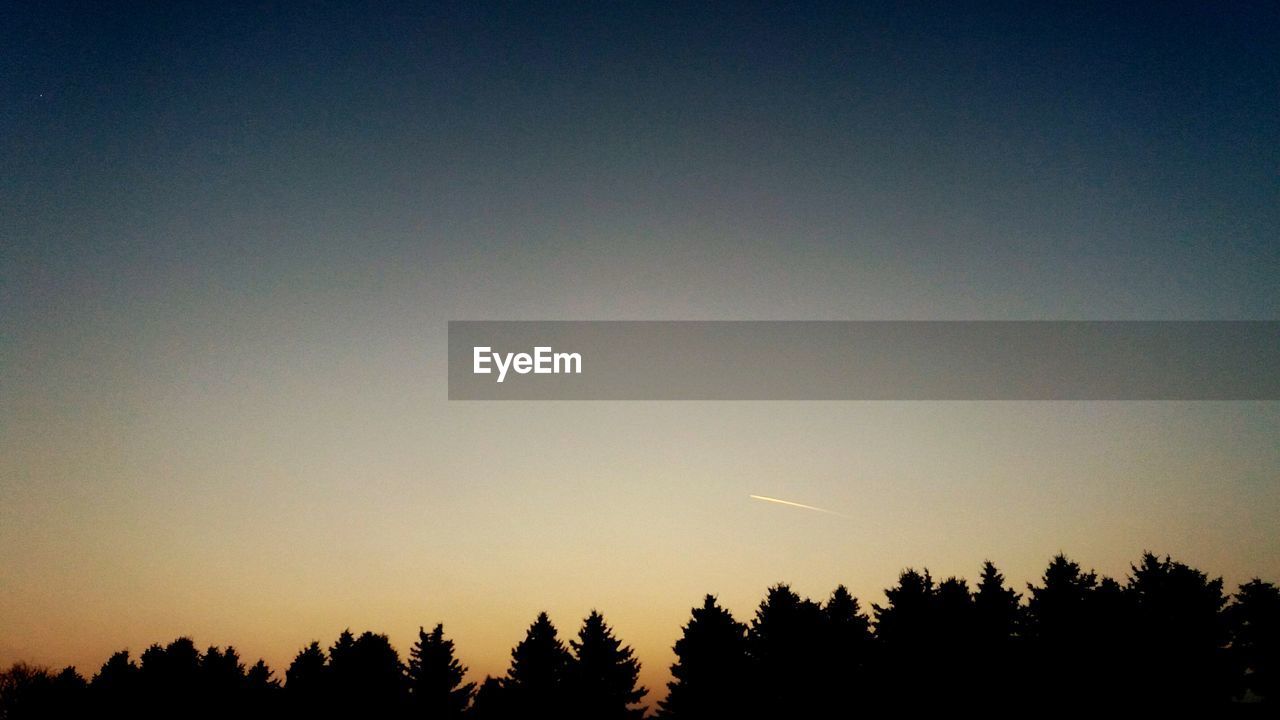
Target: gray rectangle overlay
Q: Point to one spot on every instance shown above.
(885, 360)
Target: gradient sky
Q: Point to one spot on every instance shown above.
(231, 238)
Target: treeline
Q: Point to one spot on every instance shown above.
(1166, 640)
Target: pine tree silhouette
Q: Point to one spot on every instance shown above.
(435, 677)
(261, 697)
(952, 639)
(1181, 635)
(996, 614)
(535, 681)
(1065, 645)
(343, 650)
(1255, 630)
(36, 693)
(710, 675)
(378, 674)
(905, 639)
(601, 678)
(221, 679)
(846, 652)
(115, 688)
(995, 608)
(341, 694)
(259, 677)
(1165, 642)
(306, 685)
(491, 701)
(170, 679)
(785, 644)
(1109, 639)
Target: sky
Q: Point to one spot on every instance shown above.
(231, 237)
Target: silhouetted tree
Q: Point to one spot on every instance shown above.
(221, 681)
(710, 673)
(995, 657)
(845, 653)
(170, 679)
(954, 637)
(178, 680)
(1078, 635)
(534, 685)
(1255, 631)
(907, 664)
(995, 612)
(1111, 630)
(261, 696)
(1056, 610)
(305, 682)
(435, 677)
(115, 689)
(367, 676)
(490, 701)
(1163, 643)
(343, 648)
(926, 636)
(601, 678)
(259, 677)
(785, 643)
(1181, 635)
(35, 693)
(903, 622)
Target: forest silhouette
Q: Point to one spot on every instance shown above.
(1167, 640)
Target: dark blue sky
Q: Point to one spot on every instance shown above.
(1129, 152)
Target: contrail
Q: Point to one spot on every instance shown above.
(796, 504)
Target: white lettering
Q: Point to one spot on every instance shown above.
(498, 359)
(543, 361)
(572, 363)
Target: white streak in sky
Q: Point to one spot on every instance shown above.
(796, 504)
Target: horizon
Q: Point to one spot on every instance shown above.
(654, 692)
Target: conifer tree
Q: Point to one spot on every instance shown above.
(710, 675)
(905, 640)
(491, 701)
(846, 651)
(435, 677)
(997, 613)
(170, 678)
(221, 672)
(785, 644)
(1255, 628)
(1180, 634)
(995, 608)
(306, 681)
(601, 678)
(1062, 641)
(535, 680)
(342, 650)
(115, 688)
